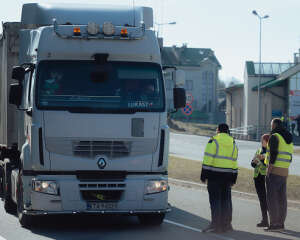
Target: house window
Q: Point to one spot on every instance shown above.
(189, 85)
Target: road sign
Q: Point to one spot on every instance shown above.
(189, 98)
(187, 110)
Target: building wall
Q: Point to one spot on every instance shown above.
(204, 86)
(234, 107)
(251, 99)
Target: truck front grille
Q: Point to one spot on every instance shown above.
(111, 149)
(91, 148)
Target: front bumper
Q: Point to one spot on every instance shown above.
(132, 200)
(117, 212)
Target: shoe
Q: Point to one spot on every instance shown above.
(211, 229)
(273, 228)
(262, 224)
(228, 228)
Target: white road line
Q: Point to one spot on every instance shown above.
(2, 238)
(196, 229)
(183, 226)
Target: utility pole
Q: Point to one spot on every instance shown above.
(259, 78)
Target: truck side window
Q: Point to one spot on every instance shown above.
(26, 90)
(31, 74)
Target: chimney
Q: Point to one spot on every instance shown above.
(295, 58)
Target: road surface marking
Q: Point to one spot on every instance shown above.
(184, 226)
(2, 238)
(196, 229)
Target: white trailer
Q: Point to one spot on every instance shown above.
(83, 121)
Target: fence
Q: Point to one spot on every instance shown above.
(249, 132)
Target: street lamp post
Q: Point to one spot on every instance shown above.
(161, 24)
(259, 72)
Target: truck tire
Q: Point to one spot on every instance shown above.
(155, 219)
(9, 205)
(24, 219)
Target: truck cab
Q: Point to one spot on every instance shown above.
(88, 108)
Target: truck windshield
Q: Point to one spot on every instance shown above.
(85, 86)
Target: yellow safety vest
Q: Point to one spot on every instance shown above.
(285, 152)
(221, 154)
(260, 168)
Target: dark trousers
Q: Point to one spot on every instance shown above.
(276, 198)
(220, 203)
(260, 186)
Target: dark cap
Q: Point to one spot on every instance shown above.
(223, 128)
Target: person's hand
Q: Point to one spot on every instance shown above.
(255, 160)
(261, 156)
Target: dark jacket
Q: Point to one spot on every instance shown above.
(273, 141)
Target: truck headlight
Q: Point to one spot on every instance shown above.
(156, 186)
(49, 187)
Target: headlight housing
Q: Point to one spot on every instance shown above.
(156, 186)
(49, 187)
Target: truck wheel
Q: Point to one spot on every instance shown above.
(1, 182)
(151, 219)
(9, 205)
(24, 219)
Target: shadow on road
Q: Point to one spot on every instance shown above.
(192, 220)
(123, 227)
(291, 233)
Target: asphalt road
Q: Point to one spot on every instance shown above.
(189, 216)
(192, 147)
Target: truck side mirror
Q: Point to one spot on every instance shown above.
(18, 73)
(15, 94)
(179, 98)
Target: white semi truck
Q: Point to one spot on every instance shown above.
(83, 121)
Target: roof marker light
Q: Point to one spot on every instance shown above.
(124, 32)
(76, 31)
(108, 29)
(93, 28)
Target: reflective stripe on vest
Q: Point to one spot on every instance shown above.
(222, 155)
(285, 153)
(220, 169)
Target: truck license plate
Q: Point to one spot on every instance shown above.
(101, 206)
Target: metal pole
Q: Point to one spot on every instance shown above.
(259, 83)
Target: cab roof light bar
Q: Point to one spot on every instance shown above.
(125, 32)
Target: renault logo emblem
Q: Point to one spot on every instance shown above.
(101, 163)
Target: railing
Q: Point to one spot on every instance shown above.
(249, 132)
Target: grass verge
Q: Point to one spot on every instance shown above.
(201, 129)
(189, 170)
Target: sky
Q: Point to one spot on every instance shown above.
(227, 27)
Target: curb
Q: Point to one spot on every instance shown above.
(291, 204)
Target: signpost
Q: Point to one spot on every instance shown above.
(187, 110)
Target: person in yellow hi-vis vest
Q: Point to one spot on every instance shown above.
(278, 159)
(260, 172)
(220, 170)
